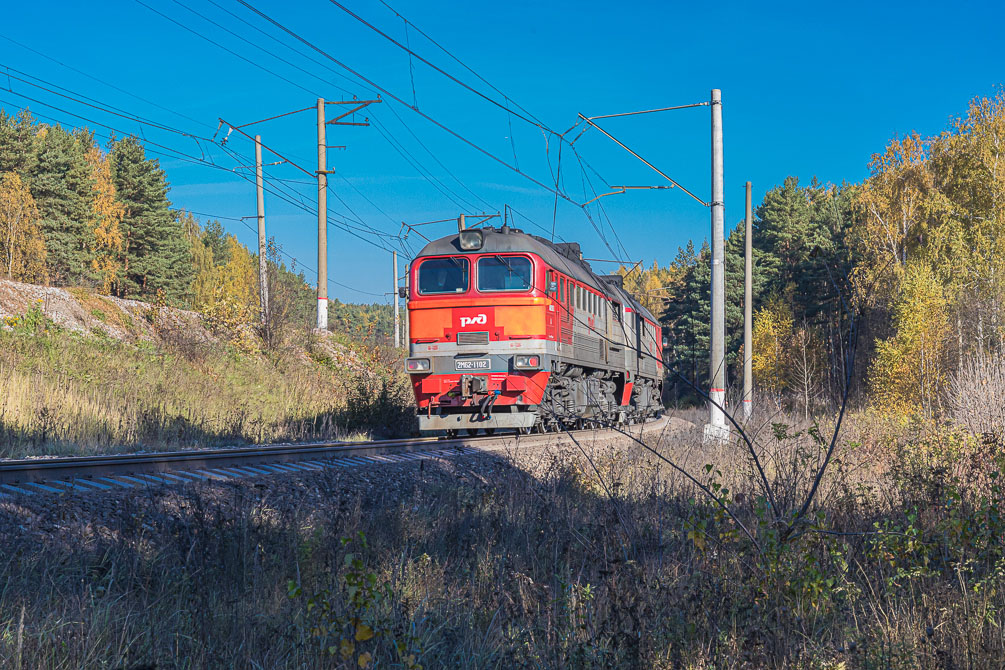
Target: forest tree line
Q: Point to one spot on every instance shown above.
(913, 257)
(73, 213)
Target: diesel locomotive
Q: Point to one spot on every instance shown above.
(511, 331)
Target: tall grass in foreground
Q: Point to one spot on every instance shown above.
(61, 392)
(552, 562)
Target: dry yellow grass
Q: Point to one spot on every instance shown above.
(63, 392)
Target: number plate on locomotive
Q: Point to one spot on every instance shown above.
(472, 364)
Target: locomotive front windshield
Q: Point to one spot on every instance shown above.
(504, 273)
(443, 275)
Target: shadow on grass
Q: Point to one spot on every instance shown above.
(471, 563)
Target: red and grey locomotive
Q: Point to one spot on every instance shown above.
(508, 330)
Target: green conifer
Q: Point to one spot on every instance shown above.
(157, 256)
(61, 183)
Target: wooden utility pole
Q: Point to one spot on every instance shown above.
(397, 314)
(322, 221)
(263, 276)
(716, 428)
(748, 292)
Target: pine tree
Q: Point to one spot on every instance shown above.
(687, 316)
(788, 231)
(156, 257)
(17, 139)
(215, 239)
(61, 183)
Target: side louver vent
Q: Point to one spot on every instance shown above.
(472, 338)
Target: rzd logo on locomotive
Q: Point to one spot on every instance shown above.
(479, 320)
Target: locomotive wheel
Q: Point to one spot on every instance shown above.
(490, 431)
(451, 433)
(471, 431)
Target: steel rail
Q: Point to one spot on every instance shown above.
(38, 470)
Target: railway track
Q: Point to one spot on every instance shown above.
(93, 473)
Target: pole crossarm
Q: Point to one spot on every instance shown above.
(649, 111)
(610, 260)
(653, 167)
(269, 149)
(360, 104)
(277, 116)
(618, 190)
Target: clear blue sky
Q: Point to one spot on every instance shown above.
(809, 90)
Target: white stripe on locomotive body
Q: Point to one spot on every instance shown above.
(586, 349)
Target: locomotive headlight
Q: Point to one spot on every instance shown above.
(471, 240)
(527, 362)
(417, 364)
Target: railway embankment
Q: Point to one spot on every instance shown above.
(84, 373)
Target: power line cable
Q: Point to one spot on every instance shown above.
(230, 51)
(515, 167)
(197, 161)
(345, 226)
(532, 120)
(446, 74)
(281, 250)
(394, 97)
(284, 44)
(180, 154)
(432, 179)
(259, 47)
(437, 160)
(177, 154)
(83, 100)
(103, 82)
(464, 65)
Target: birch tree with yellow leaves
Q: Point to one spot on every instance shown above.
(909, 372)
(22, 247)
(107, 211)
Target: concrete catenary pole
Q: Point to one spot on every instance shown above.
(397, 314)
(322, 221)
(717, 391)
(748, 292)
(263, 276)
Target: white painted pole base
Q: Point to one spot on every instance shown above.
(322, 313)
(748, 409)
(716, 428)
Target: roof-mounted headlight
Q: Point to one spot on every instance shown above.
(471, 240)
